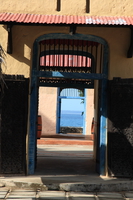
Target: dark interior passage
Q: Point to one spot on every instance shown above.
(65, 160)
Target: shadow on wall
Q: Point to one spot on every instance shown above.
(23, 40)
(21, 44)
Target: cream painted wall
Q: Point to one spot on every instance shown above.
(89, 109)
(118, 40)
(20, 61)
(47, 109)
(69, 7)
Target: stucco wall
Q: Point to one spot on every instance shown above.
(69, 7)
(20, 61)
(89, 109)
(118, 40)
(47, 109)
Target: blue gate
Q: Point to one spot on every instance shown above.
(69, 61)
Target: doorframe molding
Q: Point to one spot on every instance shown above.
(34, 97)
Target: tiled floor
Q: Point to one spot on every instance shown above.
(17, 194)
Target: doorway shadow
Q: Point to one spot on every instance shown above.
(65, 163)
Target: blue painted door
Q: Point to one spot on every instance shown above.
(58, 78)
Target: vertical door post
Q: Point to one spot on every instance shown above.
(84, 114)
(33, 112)
(58, 111)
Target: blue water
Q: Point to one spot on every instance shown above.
(72, 118)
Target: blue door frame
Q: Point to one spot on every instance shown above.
(35, 74)
(59, 98)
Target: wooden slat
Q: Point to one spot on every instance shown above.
(130, 50)
(71, 97)
(65, 85)
(9, 44)
(69, 75)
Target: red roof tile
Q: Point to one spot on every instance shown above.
(65, 19)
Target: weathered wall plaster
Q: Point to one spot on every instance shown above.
(20, 61)
(69, 7)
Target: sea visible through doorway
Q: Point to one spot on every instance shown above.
(72, 118)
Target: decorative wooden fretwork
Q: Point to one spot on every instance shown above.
(75, 58)
(120, 131)
(67, 55)
(14, 112)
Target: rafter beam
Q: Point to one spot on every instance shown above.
(72, 29)
(58, 5)
(130, 50)
(87, 6)
(69, 75)
(67, 85)
(9, 43)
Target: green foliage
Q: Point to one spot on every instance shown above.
(81, 94)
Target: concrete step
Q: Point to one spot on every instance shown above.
(94, 186)
(61, 141)
(66, 139)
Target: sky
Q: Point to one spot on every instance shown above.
(72, 104)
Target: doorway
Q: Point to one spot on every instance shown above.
(71, 111)
(77, 61)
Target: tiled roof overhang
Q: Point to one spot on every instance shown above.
(65, 19)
